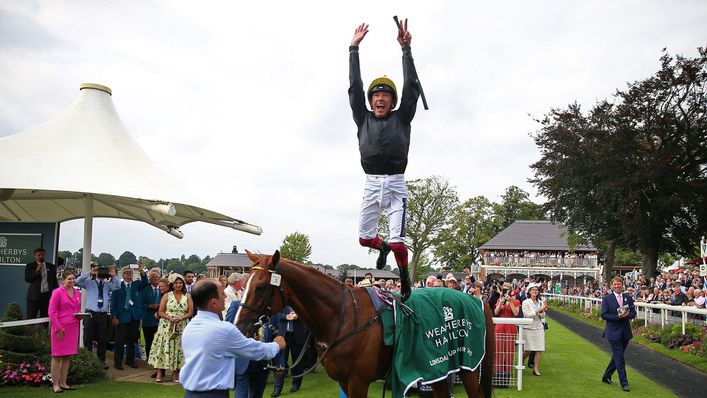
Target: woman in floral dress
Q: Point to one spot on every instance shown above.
(175, 308)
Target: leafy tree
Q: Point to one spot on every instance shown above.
(147, 262)
(515, 205)
(206, 260)
(193, 259)
(65, 254)
(105, 259)
(632, 171)
(627, 257)
(432, 203)
(472, 224)
(127, 258)
(343, 274)
(296, 247)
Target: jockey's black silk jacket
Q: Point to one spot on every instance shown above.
(384, 142)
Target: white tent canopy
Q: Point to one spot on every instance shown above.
(109, 175)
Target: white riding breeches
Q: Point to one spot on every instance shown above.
(384, 193)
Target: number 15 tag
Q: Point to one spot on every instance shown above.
(275, 279)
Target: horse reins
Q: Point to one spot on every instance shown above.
(264, 318)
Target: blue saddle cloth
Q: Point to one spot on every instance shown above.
(379, 298)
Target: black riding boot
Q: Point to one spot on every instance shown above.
(404, 283)
(382, 255)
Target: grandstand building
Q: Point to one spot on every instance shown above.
(539, 249)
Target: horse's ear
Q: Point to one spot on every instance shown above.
(252, 256)
(275, 258)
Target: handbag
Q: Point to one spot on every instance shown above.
(175, 331)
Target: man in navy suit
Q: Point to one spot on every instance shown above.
(617, 310)
(127, 310)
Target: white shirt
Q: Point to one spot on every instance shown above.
(210, 348)
(231, 295)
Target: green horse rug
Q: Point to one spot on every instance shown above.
(444, 333)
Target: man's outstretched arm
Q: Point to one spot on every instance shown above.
(357, 97)
(411, 88)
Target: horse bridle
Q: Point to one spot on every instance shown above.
(263, 315)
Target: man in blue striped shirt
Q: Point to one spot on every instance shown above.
(95, 327)
(211, 345)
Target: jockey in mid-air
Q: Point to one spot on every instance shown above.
(383, 141)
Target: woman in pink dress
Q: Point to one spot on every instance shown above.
(63, 305)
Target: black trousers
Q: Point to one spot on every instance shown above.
(95, 328)
(293, 351)
(126, 334)
(40, 306)
(149, 333)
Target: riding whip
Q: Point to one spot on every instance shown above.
(417, 80)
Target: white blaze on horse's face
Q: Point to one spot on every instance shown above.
(243, 300)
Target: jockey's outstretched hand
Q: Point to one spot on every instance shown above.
(404, 36)
(359, 34)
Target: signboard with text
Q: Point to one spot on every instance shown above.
(18, 240)
(18, 248)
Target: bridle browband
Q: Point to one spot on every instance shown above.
(263, 315)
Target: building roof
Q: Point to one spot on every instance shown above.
(230, 260)
(534, 235)
(241, 260)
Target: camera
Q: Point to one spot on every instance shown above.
(102, 272)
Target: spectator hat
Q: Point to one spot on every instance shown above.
(125, 270)
(173, 277)
(365, 282)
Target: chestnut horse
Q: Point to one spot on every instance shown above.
(344, 322)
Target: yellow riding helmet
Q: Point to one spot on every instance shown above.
(383, 84)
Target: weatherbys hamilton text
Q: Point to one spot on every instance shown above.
(451, 330)
(12, 256)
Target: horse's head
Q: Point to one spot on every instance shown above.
(263, 295)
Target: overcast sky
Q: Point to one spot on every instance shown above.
(245, 102)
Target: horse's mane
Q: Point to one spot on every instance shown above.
(308, 268)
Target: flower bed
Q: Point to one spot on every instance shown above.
(25, 357)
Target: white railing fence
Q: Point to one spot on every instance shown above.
(664, 314)
(23, 322)
(519, 322)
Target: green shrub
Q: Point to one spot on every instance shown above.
(16, 357)
(13, 312)
(40, 338)
(85, 368)
(11, 342)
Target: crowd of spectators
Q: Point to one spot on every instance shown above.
(548, 259)
(683, 287)
(121, 303)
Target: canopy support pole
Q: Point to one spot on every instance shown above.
(86, 260)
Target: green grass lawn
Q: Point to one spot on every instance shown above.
(696, 362)
(572, 367)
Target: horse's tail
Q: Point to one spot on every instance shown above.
(486, 379)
